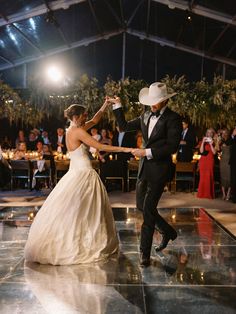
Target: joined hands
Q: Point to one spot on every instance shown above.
(138, 152)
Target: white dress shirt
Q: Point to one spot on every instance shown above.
(59, 140)
(120, 138)
(152, 123)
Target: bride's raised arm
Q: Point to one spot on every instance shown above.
(84, 137)
(98, 115)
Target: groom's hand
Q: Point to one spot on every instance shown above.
(113, 100)
(139, 152)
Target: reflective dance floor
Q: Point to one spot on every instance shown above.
(196, 274)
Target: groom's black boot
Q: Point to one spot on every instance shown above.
(166, 237)
(167, 231)
(144, 260)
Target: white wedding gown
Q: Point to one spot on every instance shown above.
(75, 224)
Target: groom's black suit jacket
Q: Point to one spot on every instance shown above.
(164, 141)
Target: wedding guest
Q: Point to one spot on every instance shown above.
(96, 136)
(105, 137)
(187, 143)
(206, 166)
(225, 143)
(110, 134)
(20, 152)
(37, 134)
(104, 156)
(6, 143)
(47, 151)
(59, 143)
(233, 166)
(20, 138)
(45, 138)
(39, 147)
(32, 141)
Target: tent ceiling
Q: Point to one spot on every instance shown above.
(34, 29)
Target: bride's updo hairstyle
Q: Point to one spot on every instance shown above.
(74, 110)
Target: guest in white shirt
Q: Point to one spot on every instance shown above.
(45, 138)
(60, 143)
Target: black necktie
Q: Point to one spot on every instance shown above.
(157, 113)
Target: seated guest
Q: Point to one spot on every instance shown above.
(104, 156)
(37, 134)
(59, 143)
(45, 138)
(187, 143)
(6, 143)
(20, 138)
(233, 166)
(20, 152)
(96, 136)
(47, 151)
(110, 134)
(206, 166)
(225, 143)
(39, 147)
(32, 141)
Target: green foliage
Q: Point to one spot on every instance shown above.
(128, 90)
(13, 107)
(203, 103)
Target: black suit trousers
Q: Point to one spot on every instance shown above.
(148, 194)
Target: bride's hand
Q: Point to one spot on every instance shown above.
(107, 101)
(127, 150)
(105, 104)
(113, 100)
(139, 152)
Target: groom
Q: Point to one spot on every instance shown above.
(161, 129)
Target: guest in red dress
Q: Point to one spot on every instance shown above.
(206, 166)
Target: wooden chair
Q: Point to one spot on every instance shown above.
(20, 169)
(132, 171)
(45, 174)
(114, 173)
(61, 168)
(185, 171)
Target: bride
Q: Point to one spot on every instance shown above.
(75, 225)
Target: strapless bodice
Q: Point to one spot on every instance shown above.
(79, 158)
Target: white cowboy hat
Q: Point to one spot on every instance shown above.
(156, 93)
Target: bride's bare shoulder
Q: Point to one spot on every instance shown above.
(76, 132)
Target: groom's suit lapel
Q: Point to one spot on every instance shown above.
(146, 118)
(158, 125)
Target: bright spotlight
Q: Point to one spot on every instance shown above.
(54, 74)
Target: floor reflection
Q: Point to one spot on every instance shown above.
(79, 289)
(196, 273)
